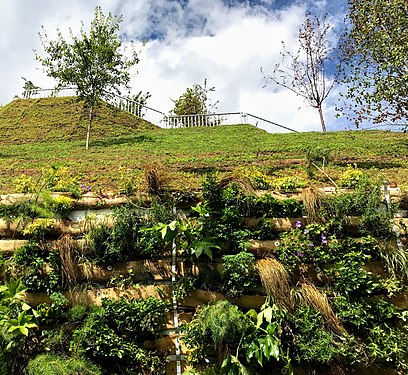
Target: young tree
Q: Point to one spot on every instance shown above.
(374, 62)
(194, 101)
(93, 62)
(303, 71)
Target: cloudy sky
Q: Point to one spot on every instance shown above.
(225, 41)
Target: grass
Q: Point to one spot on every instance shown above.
(43, 132)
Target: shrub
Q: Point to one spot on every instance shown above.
(351, 177)
(312, 343)
(239, 273)
(110, 335)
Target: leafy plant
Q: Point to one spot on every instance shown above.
(38, 267)
(239, 273)
(349, 277)
(351, 177)
(120, 242)
(312, 344)
(110, 334)
(18, 321)
(288, 183)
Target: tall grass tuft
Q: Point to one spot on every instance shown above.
(68, 248)
(154, 178)
(310, 296)
(275, 280)
(312, 201)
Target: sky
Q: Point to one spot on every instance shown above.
(226, 42)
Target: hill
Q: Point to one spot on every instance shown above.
(39, 133)
(57, 119)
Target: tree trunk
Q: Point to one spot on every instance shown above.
(88, 132)
(322, 119)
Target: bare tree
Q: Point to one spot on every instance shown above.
(303, 72)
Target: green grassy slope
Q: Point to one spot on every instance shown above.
(185, 154)
(55, 119)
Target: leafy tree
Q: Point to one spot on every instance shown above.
(94, 62)
(374, 64)
(194, 101)
(303, 71)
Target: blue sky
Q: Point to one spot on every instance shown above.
(225, 41)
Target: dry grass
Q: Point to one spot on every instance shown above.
(275, 279)
(244, 183)
(154, 177)
(68, 249)
(312, 200)
(312, 297)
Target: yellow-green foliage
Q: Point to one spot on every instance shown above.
(62, 204)
(38, 228)
(258, 178)
(24, 184)
(351, 177)
(288, 183)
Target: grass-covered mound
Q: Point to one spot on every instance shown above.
(62, 119)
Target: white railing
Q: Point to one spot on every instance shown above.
(125, 104)
(215, 119)
(160, 118)
(207, 119)
(49, 93)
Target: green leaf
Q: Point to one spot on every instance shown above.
(24, 330)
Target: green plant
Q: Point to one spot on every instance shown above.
(351, 177)
(362, 314)
(183, 287)
(217, 330)
(288, 183)
(50, 364)
(129, 181)
(120, 242)
(17, 322)
(24, 184)
(123, 281)
(266, 344)
(269, 206)
(38, 229)
(239, 273)
(349, 277)
(38, 267)
(312, 343)
(48, 313)
(316, 159)
(62, 205)
(111, 333)
(77, 313)
(388, 344)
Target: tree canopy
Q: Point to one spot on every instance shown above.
(374, 62)
(194, 100)
(94, 62)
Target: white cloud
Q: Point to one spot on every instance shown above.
(189, 41)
